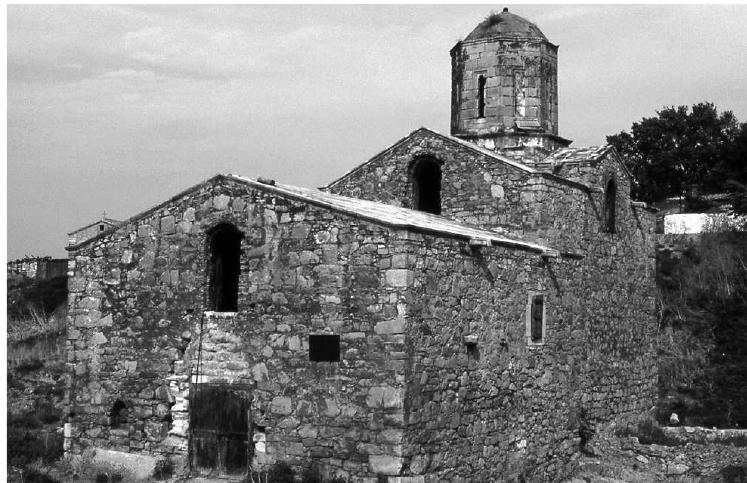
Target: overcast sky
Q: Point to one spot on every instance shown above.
(118, 108)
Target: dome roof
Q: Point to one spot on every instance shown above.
(506, 24)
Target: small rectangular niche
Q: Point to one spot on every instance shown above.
(324, 348)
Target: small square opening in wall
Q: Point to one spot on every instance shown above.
(324, 348)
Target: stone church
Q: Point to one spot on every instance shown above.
(460, 307)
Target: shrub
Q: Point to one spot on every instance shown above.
(164, 469)
(281, 472)
(29, 365)
(311, 474)
(25, 447)
(35, 476)
(649, 432)
(27, 420)
(734, 473)
(47, 413)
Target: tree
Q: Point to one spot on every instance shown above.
(685, 153)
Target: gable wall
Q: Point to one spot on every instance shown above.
(480, 190)
(136, 300)
(475, 188)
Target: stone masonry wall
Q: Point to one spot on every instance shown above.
(407, 397)
(521, 83)
(475, 188)
(137, 331)
(481, 190)
(509, 408)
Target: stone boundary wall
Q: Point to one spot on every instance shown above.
(700, 435)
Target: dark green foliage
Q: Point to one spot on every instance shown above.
(683, 152)
(281, 472)
(702, 361)
(29, 365)
(164, 469)
(649, 432)
(42, 296)
(311, 474)
(734, 474)
(27, 420)
(25, 447)
(47, 413)
(34, 476)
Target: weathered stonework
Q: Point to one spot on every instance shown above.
(505, 87)
(439, 374)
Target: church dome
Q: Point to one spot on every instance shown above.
(506, 24)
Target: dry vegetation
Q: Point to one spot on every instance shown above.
(703, 331)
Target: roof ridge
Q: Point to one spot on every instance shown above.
(289, 190)
(484, 151)
(443, 226)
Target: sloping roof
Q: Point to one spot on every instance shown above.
(506, 24)
(105, 220)
(468, 145)
(585, 155)
(391, 216)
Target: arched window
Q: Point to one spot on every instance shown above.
(223, 267)
(481, 96)
(610, 198)
(426, 185)
(118, 414)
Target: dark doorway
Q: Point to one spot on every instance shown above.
(219, 425)
(426, 185)
(224, 267)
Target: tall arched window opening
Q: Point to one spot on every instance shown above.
(224, 266)
(610, 198)
(481, 96)
(426, 185)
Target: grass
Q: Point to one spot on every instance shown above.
(37, 324)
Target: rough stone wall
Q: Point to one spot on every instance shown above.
(407, 397)
(481, 190)
(136, 331)
(475, 188)
(509, 408)
(521, 83)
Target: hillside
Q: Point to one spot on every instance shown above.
(702, 293)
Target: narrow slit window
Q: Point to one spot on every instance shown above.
(536, 318)
(225, 251)
(481, 81)
(426, 186)
(610, 198)
(324, 348)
